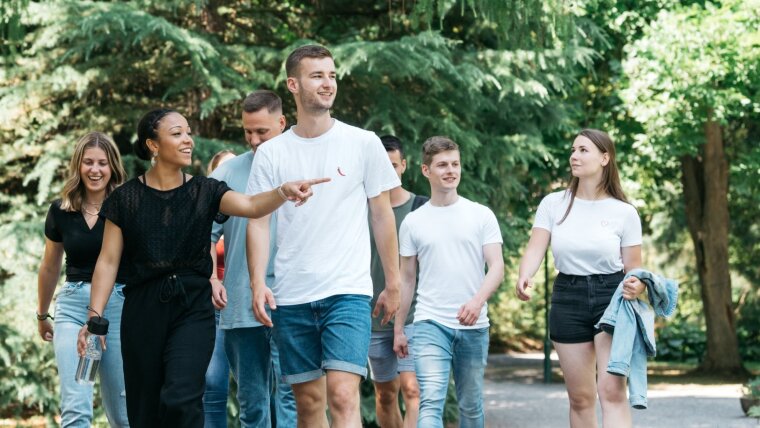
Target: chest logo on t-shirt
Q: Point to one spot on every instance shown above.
(341, 172)
(605, 223)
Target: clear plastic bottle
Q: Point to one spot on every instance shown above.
(87, 369)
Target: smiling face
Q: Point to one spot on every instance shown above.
(94, 170)
(175, 143)
(315, 85)
(586, 160)
(444, 171)
(261, 126)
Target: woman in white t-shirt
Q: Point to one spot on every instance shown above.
(595, 236)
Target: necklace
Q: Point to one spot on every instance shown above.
(96, 206)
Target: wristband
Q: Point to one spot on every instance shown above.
(281, 193)
(43, 317)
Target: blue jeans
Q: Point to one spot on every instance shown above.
(76, 400)
(217, 383)
(252, 354)
(438, 349)
(328, 334)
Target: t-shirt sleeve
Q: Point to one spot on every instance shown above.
(219, 188)
(631, 229)
(379, 174)
(216, 228)
(261, 178)
(491, 233)
(406, 245)
(51, 227)
(543, 218)
(111, 209)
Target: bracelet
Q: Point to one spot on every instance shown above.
(43, 317)
(281, 193)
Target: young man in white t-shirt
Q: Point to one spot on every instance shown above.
(320, 298)
(453, 239)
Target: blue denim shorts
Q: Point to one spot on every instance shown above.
(328, 334)
(578, 303)
(384, 364)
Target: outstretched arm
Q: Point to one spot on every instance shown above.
(261, 204)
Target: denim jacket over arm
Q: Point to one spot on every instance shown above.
(631, 322)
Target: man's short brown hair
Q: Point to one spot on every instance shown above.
(308, 51)
(260, 99)
(434, 145)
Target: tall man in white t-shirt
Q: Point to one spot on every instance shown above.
(454, 239)
(322, 289)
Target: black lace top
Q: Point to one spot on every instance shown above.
(168, 231)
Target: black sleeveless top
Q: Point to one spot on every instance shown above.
(165, 232)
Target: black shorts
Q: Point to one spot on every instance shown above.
(578, 303)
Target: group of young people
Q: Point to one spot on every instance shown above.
(310, 295)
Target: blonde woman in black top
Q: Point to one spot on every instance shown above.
(161, 221)
(73, 227)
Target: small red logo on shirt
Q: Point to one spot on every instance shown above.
(341, 172)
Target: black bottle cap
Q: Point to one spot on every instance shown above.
(98, 325)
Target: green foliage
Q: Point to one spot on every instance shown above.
(75, 66)
(752, 388)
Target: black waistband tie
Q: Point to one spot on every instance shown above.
(172, 287)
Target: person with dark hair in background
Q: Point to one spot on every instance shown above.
(595, 235)
(161, 222)
(322, 288)
(249, 345)
(391, 373)
(218, 372)
(74, 227)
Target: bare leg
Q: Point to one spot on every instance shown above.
(343, 398)
(578, 362)
(615, 409)
(386, 404)
(311, 403)
(410, 389)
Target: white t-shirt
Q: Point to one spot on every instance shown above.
(590, 239)
(323, 244)
(448, 242)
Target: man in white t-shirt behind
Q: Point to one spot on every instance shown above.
(453, 239)
(320, 298)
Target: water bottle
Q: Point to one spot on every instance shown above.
(89, 363)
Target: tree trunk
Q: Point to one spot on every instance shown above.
(705, 183)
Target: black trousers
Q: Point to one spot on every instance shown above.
(167, 335)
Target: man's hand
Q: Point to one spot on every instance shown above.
(387, 302)
(262, 296)
(470, 312)
(401, 345)
(218, 294)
